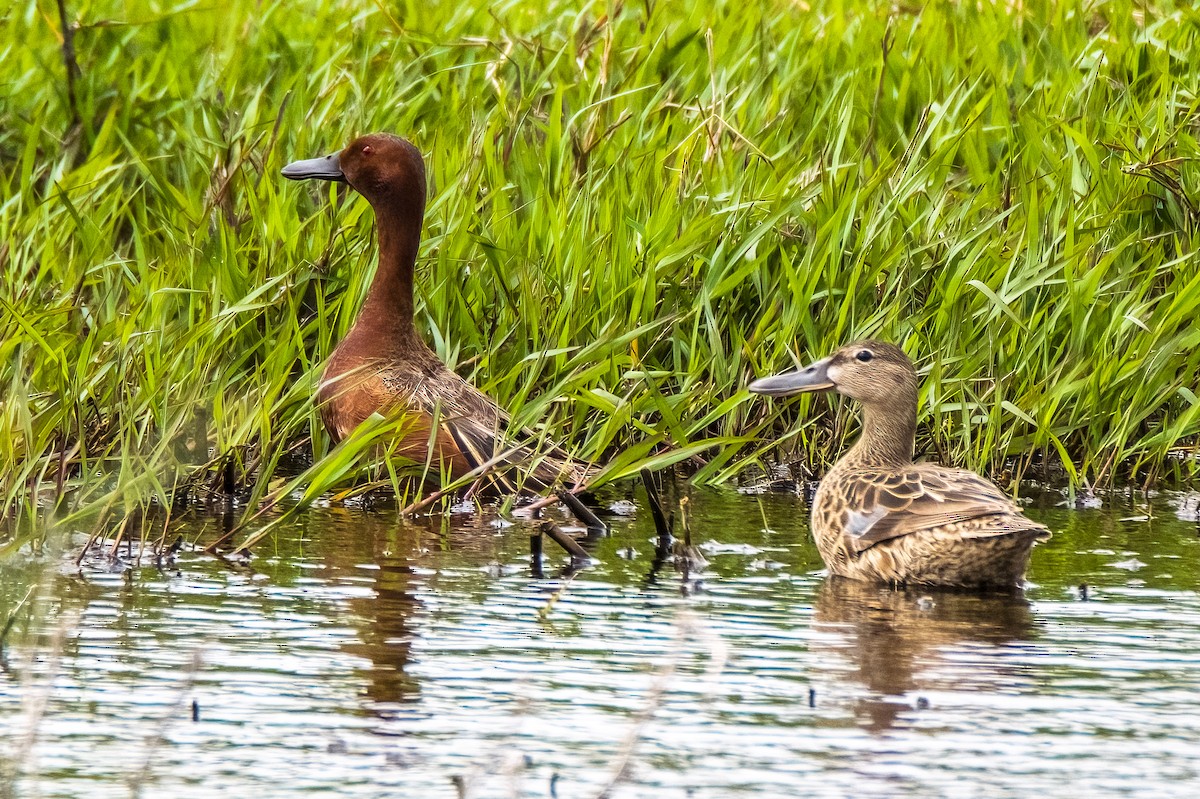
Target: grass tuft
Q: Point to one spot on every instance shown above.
(635, 209)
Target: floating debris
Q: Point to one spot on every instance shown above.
(721, 548)
(622, 507)
(1187, 506)
(1083, 501)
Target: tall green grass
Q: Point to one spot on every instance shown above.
(635, 208)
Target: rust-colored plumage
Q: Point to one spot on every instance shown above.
(384, 366)
(878, 516)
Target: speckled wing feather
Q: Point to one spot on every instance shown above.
(526, 465)
(879, 505)
(481, 432)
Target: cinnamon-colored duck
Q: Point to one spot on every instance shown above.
(383, 365)
(879, 517)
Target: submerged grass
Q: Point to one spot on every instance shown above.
(635, 209)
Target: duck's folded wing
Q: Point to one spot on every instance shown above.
(514, 460)
(883, 505)
(525, 464)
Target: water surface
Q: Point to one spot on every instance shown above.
(364, 656)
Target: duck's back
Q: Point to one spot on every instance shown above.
(923, 524)
(465, 427)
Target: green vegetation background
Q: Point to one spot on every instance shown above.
(635, 209)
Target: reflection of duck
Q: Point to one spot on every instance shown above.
(383, 365)
(363, 550)
(387, 638)
(383, 620)
(898, 637)
(878, 516)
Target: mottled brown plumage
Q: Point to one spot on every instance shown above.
(878, 516)
(384, 366)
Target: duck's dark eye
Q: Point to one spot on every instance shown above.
(864, 355)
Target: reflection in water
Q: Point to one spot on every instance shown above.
(898, 637)
(358, 655)
(361, 550)
(386, 631)
(369, 551)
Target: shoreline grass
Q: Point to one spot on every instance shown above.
(634, 210)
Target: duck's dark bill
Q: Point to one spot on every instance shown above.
(327, 167)
(813, 377)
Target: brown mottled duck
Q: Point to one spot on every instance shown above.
(384, 366)
(880, 517)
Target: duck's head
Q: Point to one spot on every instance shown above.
(378, 166)
(872, 372)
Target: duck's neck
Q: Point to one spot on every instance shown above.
(888, 435)
(388, 308)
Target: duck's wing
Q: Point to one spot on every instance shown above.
(449, 424)
(514, 462)
(516, 459)
(880, 505)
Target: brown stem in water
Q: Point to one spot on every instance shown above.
(558, 536)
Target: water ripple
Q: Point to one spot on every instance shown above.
(367, 659)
